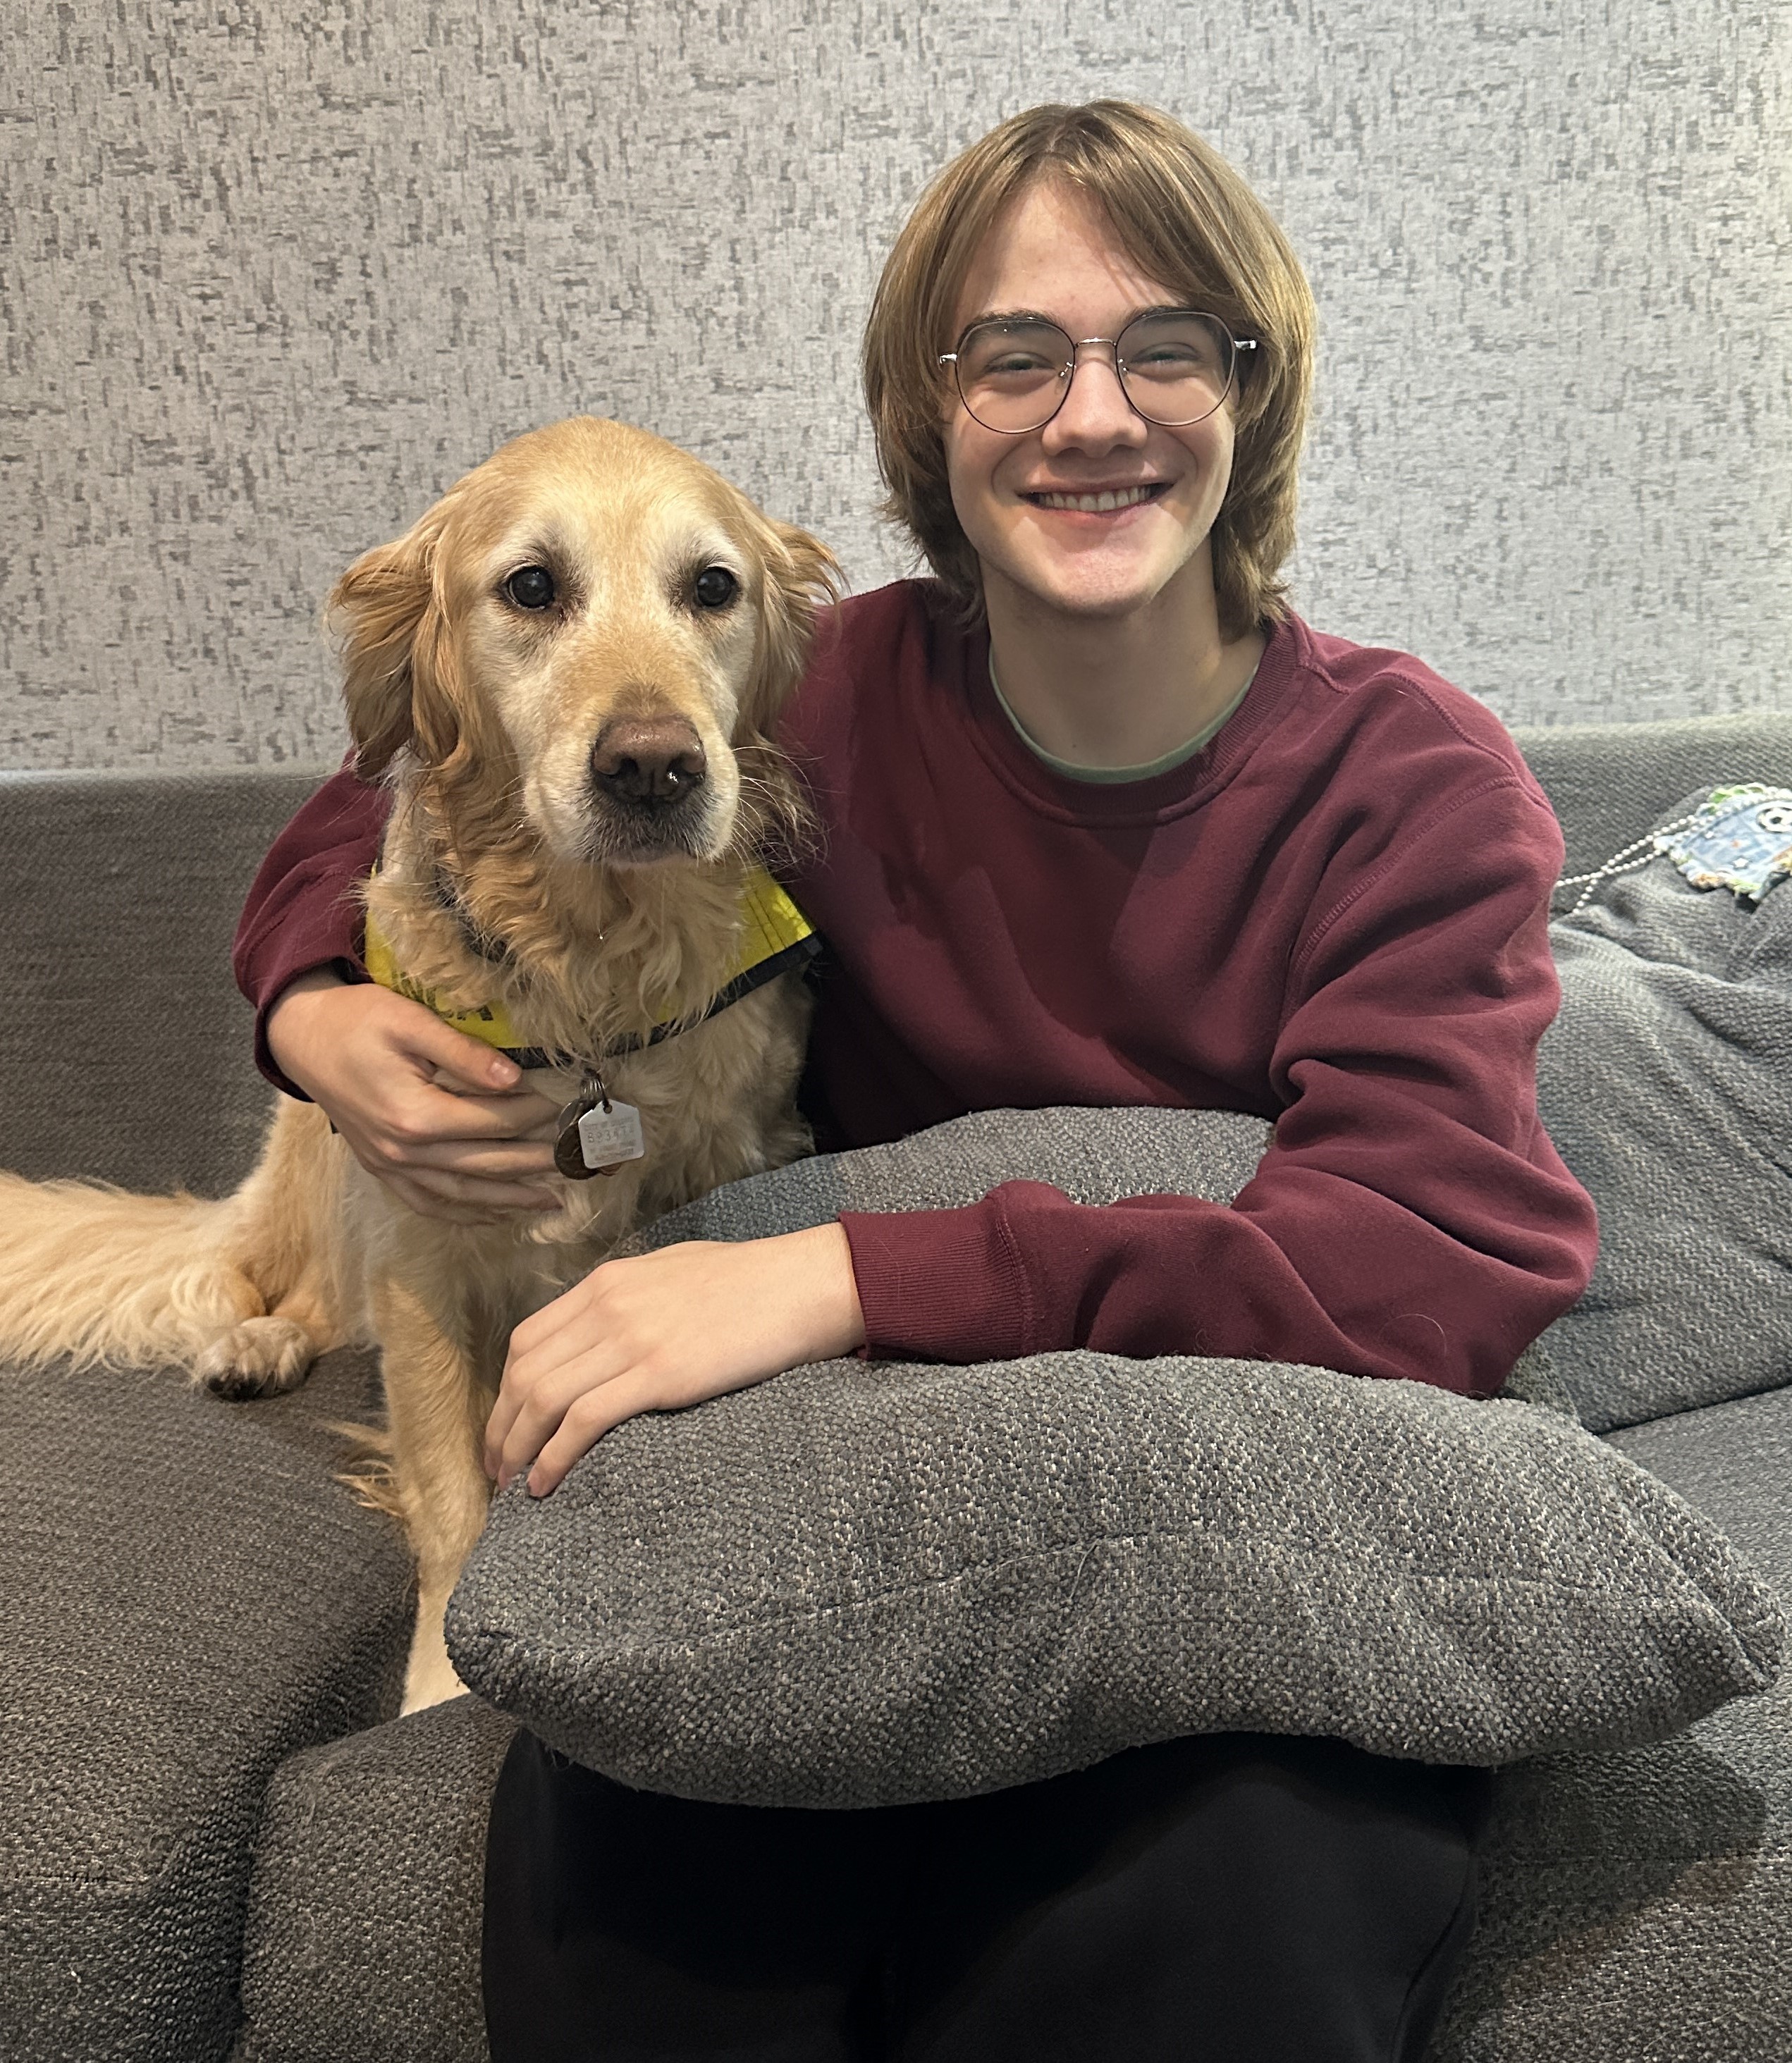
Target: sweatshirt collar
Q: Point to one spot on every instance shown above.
(1108, 777)
(1184, 784)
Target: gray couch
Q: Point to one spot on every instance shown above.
(215, 1840)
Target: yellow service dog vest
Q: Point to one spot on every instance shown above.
(775, 936)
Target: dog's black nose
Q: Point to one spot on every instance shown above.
(657, 761)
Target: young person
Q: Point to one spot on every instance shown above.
(1103, 823)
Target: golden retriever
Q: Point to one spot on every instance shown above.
(567, 671)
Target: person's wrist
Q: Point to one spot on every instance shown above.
(288, 1016)
(838, 1323)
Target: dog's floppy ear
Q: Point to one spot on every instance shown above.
(393, 647)
(801, 574)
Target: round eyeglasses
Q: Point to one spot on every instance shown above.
(1175, 367)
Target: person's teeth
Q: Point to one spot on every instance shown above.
(1097, 504)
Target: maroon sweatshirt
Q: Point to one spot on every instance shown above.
(1334, 916)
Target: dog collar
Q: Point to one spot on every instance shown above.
(775, 936)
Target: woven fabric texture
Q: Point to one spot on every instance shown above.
(365, 1910)
(1635, 1907)
(1097, 1156)
(127, 1053)
(1666, 1085)
(189, 1600)
(860, 1584)
(1608, 783)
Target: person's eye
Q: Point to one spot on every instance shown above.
(1018, 361)
(531, 588)
(714, 588)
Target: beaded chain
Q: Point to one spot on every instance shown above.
(1621, 862)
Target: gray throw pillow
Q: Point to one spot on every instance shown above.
(1666, 1085)
(861, 1585)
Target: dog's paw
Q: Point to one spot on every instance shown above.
(259, 1357)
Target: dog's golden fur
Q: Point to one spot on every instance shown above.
(604, 917)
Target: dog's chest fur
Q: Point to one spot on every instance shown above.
(599, 965)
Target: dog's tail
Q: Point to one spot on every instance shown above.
(113, 1280)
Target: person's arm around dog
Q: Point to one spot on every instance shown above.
(427, 1111)
(439, 1118)
(443, 1120)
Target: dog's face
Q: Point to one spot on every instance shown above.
(579, 637)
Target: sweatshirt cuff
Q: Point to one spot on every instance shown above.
(939, 1285)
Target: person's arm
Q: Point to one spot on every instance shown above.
(302, 912)
(1411, 1217)
(443, 1120)
(658, 1331)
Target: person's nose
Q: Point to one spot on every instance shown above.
(1096, 415)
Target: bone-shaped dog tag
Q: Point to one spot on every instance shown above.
(608, 1134)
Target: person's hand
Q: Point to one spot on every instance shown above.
(444, 1122)
(658, 1331)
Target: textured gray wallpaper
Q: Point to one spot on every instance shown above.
(270, 282)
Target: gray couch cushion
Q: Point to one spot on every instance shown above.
(127, 1052)
(1095, 1156)
(365, 1910)
(1636, 1906)
(1666, 1085)
(189, 1598)
(1609, 781)
(857, 1585)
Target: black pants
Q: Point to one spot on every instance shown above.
(1241, 1898)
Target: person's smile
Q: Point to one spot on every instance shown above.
(1087, 501)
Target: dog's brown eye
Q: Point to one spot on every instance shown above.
(714, 588)
(531, 587)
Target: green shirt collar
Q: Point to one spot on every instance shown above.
(1110, 775)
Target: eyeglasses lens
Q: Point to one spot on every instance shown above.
(1175, 367)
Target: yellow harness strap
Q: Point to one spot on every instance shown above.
(775, 935)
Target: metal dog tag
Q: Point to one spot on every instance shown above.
(569, 1148)
(608, 1134)
(597, 1133)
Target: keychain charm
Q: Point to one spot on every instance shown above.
(596, 1134)
(1740, 838)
